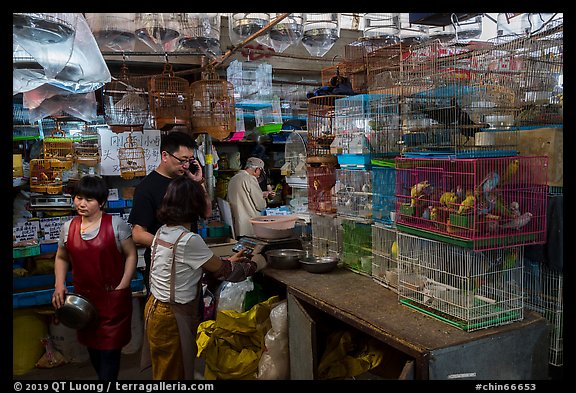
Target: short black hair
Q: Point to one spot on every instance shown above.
(183, 202)
(91, 186)
(172, 141)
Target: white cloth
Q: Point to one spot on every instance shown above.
(246, 202)
(191, 253)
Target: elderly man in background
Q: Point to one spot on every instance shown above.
(246, 198)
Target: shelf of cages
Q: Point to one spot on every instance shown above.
(477, 203)
(385, 256)
(466, 289)
(326, 235)
(366, 127)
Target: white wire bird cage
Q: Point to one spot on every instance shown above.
(212, 106)
(169, 99)
(466, 289)
(353, 190)
(356, 245)
(132, 159)
(125, 103)
(385, 256)
(326, 235)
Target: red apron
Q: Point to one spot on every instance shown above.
(97, 268)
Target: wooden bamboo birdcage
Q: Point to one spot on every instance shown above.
(125, 104)
(132, 159)
(46, 175)
(169, 99)
(87, 148)
(59, 146)
(213, 109)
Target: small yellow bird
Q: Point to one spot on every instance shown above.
(510, 171)
(394, 250)
(417, 191)
(467, 203)
(449, 199)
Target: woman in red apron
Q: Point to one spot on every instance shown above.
(98, 247)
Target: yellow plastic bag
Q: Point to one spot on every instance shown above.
(233, 343)
(28, 329)
(348, 356)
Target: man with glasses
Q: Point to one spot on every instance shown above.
(246, 198)
(176, 159)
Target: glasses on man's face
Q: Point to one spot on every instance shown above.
(182, 161)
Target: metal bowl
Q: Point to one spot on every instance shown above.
(284, 258)
(319, 264)
(76, 312)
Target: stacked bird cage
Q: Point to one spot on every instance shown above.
(87, 148)
(543, 293)
(125, 103)
(353, 190)
(59, 146)
(366, 128)
(320, 124)
(454, 96)
(384, 191)
(132, 159)
(478, 203)
(326, 235)
(385, 256)
(356, 245)
(212, 105)
(46, 175)
(321, 180)
(466, 289)
(169, 98)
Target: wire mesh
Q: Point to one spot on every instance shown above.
(354, 193)
(385, 256)
(326, 235)
(132, 159)
(321, 182)
(543, 294)
(356, 245)
(384, 192)
(467, 289)
(477, 203)
(320, 124)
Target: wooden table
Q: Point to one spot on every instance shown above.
(437, 350)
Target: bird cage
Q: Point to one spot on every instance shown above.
(326, 235)
(482, 203)
(544, 294)
(384, 191)
(158, 31)
(385, 256)
(451, 93)
(125, 103)
(46, 176)
(132, 159)
(367, 127)
(463, 288)
(294, 167)
(321, 182)
(320, 124)
(353, 191)
(356, 245)
(87, 148)
(114, 32)
(169, 99)
(213, 110)
(59, 146)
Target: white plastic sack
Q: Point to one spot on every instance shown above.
(65, 340)
(232, 295)
(275, 360)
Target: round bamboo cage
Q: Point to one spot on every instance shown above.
(213, 110)
(321, 115)
(59, 146)
(169, 99)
